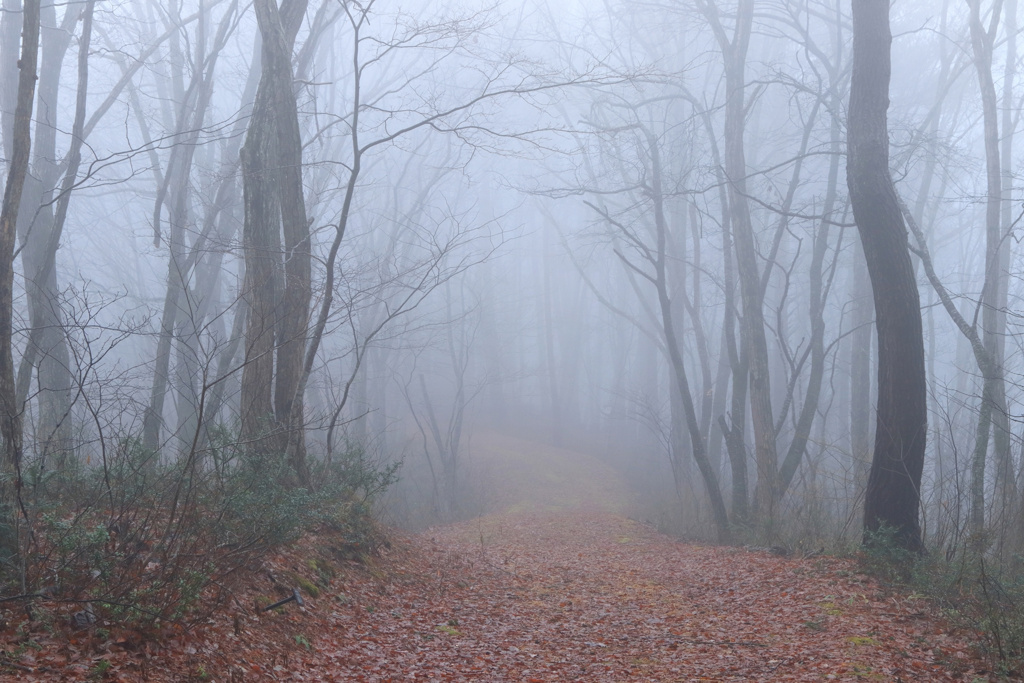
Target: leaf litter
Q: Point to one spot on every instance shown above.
(559, 596)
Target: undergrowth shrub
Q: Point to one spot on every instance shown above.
(148, 541)
(884, 557)
(974, 591)
(981, 595)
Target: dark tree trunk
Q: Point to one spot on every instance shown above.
(860, 372)
(297, 291)
(893, 493)
(262, 248)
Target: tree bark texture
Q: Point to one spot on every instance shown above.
(40, 226)
(278, 284)
(892, 499)
(860, 371)
(10, 418)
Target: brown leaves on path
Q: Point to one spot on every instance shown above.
(563, 596)
(594, 597)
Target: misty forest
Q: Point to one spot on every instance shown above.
(493, 340)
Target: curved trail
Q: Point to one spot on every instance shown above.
(592, 597)
(555, 585)
(559, 586)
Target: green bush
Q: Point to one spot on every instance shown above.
(883, 556)
(147, 540)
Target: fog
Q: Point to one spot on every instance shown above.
(525, 228)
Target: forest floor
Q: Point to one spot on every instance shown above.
(558, 590)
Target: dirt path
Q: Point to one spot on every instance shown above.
(557, 585)
(563, 596)
(517, 475)
(590, 596)
(594, 597)
(572, 591)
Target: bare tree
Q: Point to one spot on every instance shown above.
(180, 317)
(278, 313)
(443, 434)
(647, 257)
(894, 483)
(40, 225)
(10, 419)
(992, 415)
(734, 53)
(373, 123)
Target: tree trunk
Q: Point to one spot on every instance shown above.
(731, 430)
(860, 371)
(1006, 484)
(10, 44)
(752, 333)
(735, 444)
(183, 310)
(682, 383)
(39, 229)
(892, 499)
(262, 250)
(993, 395)
(10, 417)
(272, 406)
(818, 294)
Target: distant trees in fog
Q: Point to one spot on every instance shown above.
(622, 226)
